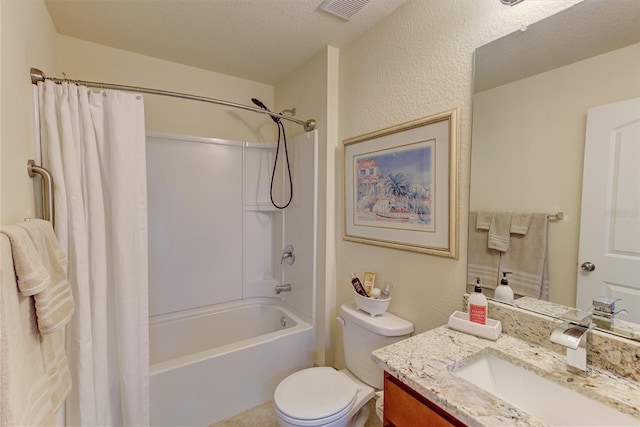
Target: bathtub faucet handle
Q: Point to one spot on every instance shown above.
(283, 288)
(288, 255)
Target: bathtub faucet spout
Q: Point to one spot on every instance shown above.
(283, 288)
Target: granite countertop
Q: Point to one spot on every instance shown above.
(621, 327)
(424, 362)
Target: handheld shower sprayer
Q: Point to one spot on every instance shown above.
(282, 134)
(265, 108)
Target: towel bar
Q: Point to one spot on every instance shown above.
(47, 189)
(557, 216)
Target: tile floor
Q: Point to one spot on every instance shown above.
(263, 416)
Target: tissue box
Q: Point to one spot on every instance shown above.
(372, 306)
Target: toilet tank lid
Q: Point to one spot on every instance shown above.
(387, 324)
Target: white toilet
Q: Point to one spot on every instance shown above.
(323, 396)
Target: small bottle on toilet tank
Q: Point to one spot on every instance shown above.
(357, 285)
(386, 291)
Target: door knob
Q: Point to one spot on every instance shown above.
(588, 266)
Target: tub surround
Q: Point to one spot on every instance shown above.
(424, 363)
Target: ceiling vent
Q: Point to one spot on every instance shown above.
(344, 9)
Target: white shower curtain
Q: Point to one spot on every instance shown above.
(94, 145)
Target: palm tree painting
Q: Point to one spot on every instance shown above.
(394, 187)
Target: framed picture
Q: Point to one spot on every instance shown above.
(401, 187)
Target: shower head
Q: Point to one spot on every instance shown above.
(264, 107)
(259, 103)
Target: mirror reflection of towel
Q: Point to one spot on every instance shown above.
(500, 231)
(482, 220)
(520, 223)
(527, 259)
(482, 262)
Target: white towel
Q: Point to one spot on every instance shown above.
(483, 220)
(499, 231)
(520, 223)
(527, 259)
(24, 387)
(482, 262)
(54, 304)
(32, 275)
(54, 308)
(56, 367)
(37, 249)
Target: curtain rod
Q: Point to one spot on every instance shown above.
(38, 76)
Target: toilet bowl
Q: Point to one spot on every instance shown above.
(326, 397)
(320, 396)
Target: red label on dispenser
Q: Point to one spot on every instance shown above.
(478, 313)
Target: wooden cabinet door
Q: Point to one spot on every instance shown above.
(404, 407)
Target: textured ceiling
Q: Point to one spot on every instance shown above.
(260, 40)
(587, 29)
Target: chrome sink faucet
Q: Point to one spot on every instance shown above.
(605, 313)
(572, 334)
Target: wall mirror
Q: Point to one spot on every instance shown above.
(532, 91)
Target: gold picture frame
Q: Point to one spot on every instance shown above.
(401, 186)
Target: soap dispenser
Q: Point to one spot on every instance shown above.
(504, 292)
(478, 305)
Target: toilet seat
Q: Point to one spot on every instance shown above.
(314, 394)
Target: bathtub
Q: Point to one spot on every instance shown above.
(209, 364)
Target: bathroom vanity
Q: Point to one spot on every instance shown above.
(424, 377)
(403, 406)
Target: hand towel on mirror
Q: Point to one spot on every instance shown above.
(499, 231)
(483, 220)
(527, 259)
(520, 222)
(482, 263)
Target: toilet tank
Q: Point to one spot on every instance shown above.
(361, 334)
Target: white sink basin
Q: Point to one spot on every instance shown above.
(544, 399)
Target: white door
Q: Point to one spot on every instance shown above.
(610, 217)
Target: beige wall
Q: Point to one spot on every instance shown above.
(415, 63)
(313, 90)
(89, 61)
(28, 40)
(535, 163)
